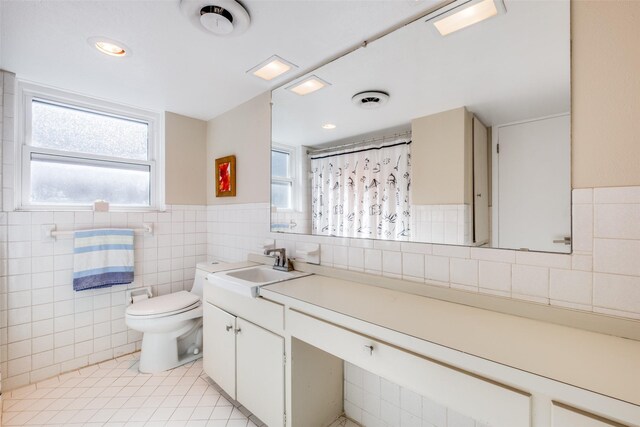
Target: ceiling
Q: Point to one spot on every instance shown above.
(175, 66)
(509, 68)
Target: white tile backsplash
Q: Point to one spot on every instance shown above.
(617, 221)
(617, 256)
(495, 276)
(530, 281)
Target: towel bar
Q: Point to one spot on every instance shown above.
(50, 231)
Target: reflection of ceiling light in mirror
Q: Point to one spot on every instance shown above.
(272, 68)
(328, 126)
(470, 15)
(308, 85)
(109, 47)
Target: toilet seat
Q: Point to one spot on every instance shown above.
(165, 305)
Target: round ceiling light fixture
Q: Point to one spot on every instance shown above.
(219, 17)
(328, 126)
(109, 47)
(370, 99)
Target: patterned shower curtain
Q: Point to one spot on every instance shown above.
(362, 193)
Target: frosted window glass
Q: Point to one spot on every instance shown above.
(281, 194)
(64, 128)
(279, 163)
(68, 184)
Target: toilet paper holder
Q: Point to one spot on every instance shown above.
(138, 294)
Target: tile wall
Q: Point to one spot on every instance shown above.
(376, 402)
(52, 329)
(449, 224)
(602, 275)
(291, 221)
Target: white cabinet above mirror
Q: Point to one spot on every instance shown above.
(460, 139)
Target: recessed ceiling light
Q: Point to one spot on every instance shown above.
(328, 126)
(109, 47)
(308, 85)
(272, 68)
(469, 15)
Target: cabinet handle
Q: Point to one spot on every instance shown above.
(229, 327)
(238, 331)
(368, 349)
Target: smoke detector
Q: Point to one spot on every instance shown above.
(219, 17)
(370, 99)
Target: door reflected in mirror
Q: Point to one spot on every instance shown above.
(460, 139)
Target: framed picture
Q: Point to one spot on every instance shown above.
(226, 176)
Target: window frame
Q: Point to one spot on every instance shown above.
(291, 179)
(27, 92)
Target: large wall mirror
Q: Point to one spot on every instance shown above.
(462, 138)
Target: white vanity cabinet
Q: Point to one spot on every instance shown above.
(242, 357)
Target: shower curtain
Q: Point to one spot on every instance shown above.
(362, 193)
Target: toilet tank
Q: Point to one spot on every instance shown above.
(198, 282)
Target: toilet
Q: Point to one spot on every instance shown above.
(171, 326)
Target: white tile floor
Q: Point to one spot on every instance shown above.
(114, 393)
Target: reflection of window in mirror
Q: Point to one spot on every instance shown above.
(282, 177)
(289, 188)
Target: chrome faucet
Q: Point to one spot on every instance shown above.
(282, 262)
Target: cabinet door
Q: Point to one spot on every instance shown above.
(219, 357)
(480, 184)
(260, 371)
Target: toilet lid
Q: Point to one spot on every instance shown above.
(178, 301)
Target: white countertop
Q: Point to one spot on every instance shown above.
(601, 363)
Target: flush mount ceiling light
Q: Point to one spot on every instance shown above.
(272, 68)
(308, 85)
(328, 126)
(219, 17)
(370, 99)
(466, 14)
(109, 47)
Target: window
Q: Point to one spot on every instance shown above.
(282, 177)
(75, 151)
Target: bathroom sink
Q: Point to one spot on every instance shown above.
(261, 275)
(247, 281)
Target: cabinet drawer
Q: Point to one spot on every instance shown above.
(260, 311)
(566, 416)
(476, 397)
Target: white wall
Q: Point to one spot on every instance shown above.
(242, 132)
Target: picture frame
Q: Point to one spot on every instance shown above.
(225, 175)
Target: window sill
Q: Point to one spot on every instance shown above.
(112, 209)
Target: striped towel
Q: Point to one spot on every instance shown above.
(102, 258)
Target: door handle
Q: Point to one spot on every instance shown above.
(566, 240)
(228, 327)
